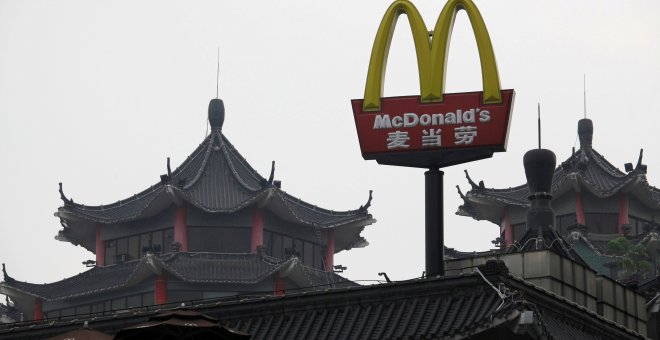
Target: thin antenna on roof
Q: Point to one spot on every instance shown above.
(539, 123)
(217, 76)
(584, 89)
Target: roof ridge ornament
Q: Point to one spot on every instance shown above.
(641, 166)
(167, 179)
(472, 183)
(585, 133)
(63, 197)
(368, 204)
(216, 114)
(4, 272)
(460, 193)
(272, 173)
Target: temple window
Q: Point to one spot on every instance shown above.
(283, 246)
(600, 223)
(518, 231)
(103, 307)
(219, 240)
(135, 246)
(637, 225)
(564, 223)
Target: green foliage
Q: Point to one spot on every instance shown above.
(634, 258)
(618, 246)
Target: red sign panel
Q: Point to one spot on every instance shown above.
(405, 129)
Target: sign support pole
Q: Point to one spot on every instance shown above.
(434, 211)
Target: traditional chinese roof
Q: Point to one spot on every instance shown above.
(586, 169)
(216, 179)
(489, 303)
(9, 313)
(454, 254)
(593, 256)
(546, 238)
(242, 269)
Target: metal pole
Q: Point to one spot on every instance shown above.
(435, 250)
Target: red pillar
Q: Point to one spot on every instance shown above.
(579, 209)
(257, 229)
(623, 213)
(279, 287)
(160, 290)
(100, 248)
(181, 227)
(508, 229)
(330, 251)
(38, 309)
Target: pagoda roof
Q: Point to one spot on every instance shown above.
(214, 268)
(585, 169)
(545, 238)
(486, 302)
(592, 255)
(215, 178)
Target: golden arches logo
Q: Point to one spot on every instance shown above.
(431, 53)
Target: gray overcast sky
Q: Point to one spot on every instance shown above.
(97, 94)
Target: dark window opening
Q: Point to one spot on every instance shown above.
(564, 223)
(283, 247)
(602, 223)
(518, 231)
(134, 247)
(219, 240)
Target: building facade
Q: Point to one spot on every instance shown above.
(595, 204)
(210, 228)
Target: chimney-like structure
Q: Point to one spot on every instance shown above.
(539, 169)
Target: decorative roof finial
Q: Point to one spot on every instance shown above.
(539, 170)
(368, 204)
(63, 197)
(4, 272)
(272, 173)
(585, 132)
(216, 114)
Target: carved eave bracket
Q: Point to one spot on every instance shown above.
(640, 167)
(4, 274)
(67, 201)
(460, 193)
(363, 208)
(272, 173)
(472, 183)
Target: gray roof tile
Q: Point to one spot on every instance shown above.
(188, 267)
(586, 166)
(214, 178)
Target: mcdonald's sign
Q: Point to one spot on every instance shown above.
(433, 129)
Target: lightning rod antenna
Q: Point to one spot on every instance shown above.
(539, 123)
(584, 89)
(217, 76)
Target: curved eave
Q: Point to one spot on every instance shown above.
(55, 291)
(597, 176)
(127, 210)
(625, 184)
(647, 194)
(265, 267)
(215, 170)
(295, 210)
(188, 267)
